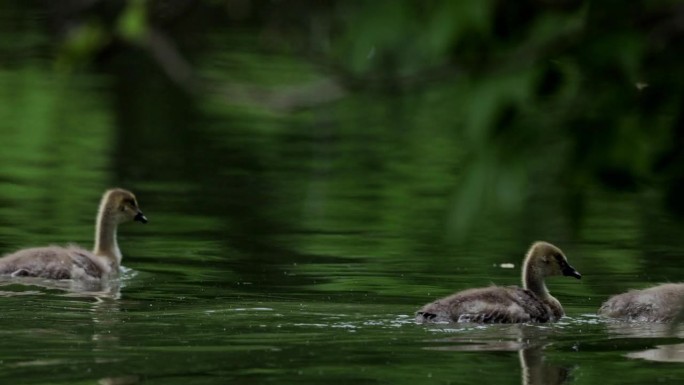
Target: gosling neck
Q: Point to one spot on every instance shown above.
(533, 280)
(105, 236)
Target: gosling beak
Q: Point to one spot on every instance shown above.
(139, 217)
(570, 271)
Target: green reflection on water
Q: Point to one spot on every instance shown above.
(57, 145)
(293, 246)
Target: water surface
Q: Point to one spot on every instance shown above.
(309, 306)
(295, 246)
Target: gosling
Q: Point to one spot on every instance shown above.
(508, 304)
(72, 262)
(662, 303)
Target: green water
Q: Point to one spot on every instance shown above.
(272, 275)
(293, 245)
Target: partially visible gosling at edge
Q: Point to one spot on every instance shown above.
(662, 303)
(53, 262)
(508, 304)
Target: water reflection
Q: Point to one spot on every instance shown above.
(529, 341)
(110, 289)
(649, 330)
(123, 380)
(661, 353)
(89, 316)
(642, 329)
(536, 371)
(17, 286)
(106, 317)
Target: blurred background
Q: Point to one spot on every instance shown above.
(358, 155)
(291, 130)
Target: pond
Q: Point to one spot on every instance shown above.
(248, 282)
(294, 246)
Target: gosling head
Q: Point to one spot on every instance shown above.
(122, 205)
(548, 260)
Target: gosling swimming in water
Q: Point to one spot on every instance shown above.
(662, 303)
(508, 304)
(72, 262)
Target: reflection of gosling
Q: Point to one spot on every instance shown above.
(536, 371)
(117, 206)
(509, 304)
(660, 303)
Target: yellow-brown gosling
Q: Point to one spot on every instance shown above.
(72, 262)
(508, 304)
(662, 303)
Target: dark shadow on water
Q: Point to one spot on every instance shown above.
(529, 341)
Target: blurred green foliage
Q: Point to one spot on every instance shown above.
(540, 95)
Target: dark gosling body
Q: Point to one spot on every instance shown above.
(662, 303)
(72, 262)
(508, 304)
